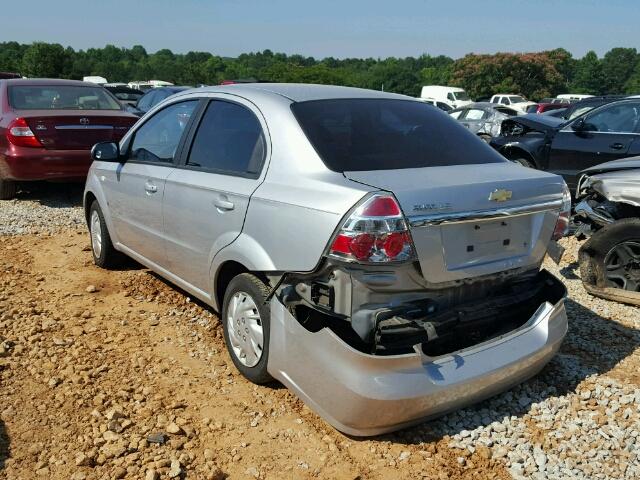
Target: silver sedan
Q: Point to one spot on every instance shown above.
(362, 248)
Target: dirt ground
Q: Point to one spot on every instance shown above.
(132, 380)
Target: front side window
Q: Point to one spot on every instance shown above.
(621, 118)
(61, 97)
(229, 139)
(495, 100)
(158, 138)
(451, 97)
(387, 134)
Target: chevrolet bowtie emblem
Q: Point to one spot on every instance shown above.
(500, 195)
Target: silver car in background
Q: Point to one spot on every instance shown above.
(484, 118)
(362, 248)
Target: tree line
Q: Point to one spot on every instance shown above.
(535, 75)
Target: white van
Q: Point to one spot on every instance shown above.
(573, 97)
(453, 96)
(147, 85)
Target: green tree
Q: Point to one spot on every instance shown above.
(588, 77)
(617, 66)
(44, 60)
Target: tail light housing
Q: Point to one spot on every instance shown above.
(20, 134)
(562, 224)
(375, 232)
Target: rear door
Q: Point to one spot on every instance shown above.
(135, 188)
(206, 198)
(609, 133)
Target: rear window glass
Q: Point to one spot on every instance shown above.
(384, 134)
(61, 97)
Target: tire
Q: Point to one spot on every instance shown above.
(244, 314)
(524, 162)
(104, 255)
(8, 189)
(611, 257)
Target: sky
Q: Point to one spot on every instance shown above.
(323, 28)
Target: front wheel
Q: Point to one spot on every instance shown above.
(611, 257)
(246, 320)
(523, 161)
(104, 254)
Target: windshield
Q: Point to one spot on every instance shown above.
(385, 134)
(461, 95)
(61, 97)
(516, 99)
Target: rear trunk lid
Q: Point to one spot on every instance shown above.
(77, 130)
(473, 220)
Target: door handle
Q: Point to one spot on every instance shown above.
(223, 205)
(616, 146)
(150, 187)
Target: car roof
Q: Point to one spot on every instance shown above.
(301, 92)
(41, 82)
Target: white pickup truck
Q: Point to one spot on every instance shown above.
(514, 101)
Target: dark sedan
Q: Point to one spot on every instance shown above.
(47, 129)
(566, 147)
(153, 97)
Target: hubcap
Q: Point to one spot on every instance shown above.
(96, 234)
(245, 329)
(622, 266)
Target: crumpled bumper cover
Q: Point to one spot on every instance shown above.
(364, 395)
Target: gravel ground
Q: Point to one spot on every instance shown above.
(42, 207)
(138, 346)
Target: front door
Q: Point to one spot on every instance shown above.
(136, 187)
(606, 134)
(207, 196)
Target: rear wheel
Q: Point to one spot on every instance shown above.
(611, 257)
(8, 189)
(104, 255)
(246, 320)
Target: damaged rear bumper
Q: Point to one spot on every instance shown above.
(362, 394)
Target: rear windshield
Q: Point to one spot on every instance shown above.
(384, 134)
(61, 97)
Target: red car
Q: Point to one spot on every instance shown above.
(47, 129)
(545, 107)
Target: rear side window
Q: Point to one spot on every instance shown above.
(158, 138)
(229, 139)
(386, 134)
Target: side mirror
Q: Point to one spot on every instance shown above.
(106, 152)
(578, 125)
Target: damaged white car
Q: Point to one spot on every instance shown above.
(608, 213)
(363, 248)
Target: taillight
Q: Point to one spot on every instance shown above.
(375, 232)
(19, 133)
(562, 225)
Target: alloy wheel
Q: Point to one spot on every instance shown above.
(622, 266)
